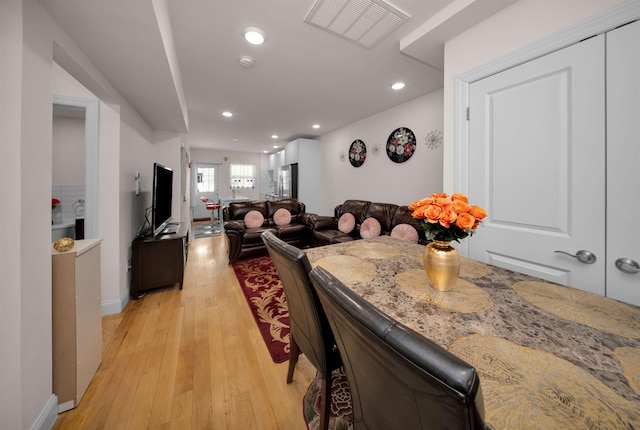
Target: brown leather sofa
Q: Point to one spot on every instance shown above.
(324, 229)
(246, 242)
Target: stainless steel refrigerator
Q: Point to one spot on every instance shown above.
(288, 181)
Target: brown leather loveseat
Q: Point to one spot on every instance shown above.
(325, 229)
(246, 242)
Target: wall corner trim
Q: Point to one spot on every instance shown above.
(48, 415)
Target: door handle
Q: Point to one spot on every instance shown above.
(627, 265)
(583, 256)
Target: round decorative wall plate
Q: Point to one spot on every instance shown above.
(401, 145)
(357, 153)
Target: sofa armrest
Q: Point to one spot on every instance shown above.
(305, 218)
(237, 226)
(322, 222)
(235, 233)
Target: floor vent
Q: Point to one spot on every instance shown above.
(364, 22)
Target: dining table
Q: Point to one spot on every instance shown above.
(548, 356)
(225, 200)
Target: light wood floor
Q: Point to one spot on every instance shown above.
(190, 359)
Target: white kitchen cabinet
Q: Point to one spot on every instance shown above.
(308, 155)
(271, 165)
(291, 150)
(77, 320)
(276, 160)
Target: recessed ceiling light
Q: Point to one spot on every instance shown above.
(254, 35)
(274, 136)
(275, 146)
(316, 126)
(227, 114)
(265, 151)
(398, 86)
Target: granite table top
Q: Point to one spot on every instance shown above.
(548, 356)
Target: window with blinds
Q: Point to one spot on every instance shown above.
(242, 176)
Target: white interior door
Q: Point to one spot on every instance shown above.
(623, 163)
(536, 141)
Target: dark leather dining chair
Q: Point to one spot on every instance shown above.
(309, 331)
(398, 378)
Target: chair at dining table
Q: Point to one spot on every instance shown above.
(398, 378)
(213, 206)
(309, 330)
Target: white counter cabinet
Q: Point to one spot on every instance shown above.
(77, 320)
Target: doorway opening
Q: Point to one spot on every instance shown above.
(87, 206)
(204, 188)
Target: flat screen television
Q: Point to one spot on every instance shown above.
(161, 198)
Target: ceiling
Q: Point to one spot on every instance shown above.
(177, 63)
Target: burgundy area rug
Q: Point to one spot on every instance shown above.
(341, 415)
(262, 288)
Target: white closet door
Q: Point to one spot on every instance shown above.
(537, 166)
(623, 162)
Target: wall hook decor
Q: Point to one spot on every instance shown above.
(433, 139)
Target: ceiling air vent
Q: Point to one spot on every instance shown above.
(364, 22)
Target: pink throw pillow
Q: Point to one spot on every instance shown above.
(346, 223)
(282, 216)
(253, 219)
(405, 232)
(370, 228)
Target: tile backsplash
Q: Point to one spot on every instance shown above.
(71, 203)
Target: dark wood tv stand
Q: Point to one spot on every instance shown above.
(158, 261)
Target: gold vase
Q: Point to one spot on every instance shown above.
(442, 265)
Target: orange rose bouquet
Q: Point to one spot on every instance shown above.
(447, 218)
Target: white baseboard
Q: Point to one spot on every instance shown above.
(48, 415)
(115, 306)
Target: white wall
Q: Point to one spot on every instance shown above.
(136, 155)
(127, 145)
(379, 179)
(516, 26)
(113, 285)
(19, 405)
(31, 40)
(166, 151)
(26, 384)
(68, 151)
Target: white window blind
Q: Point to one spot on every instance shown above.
(242, 176)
